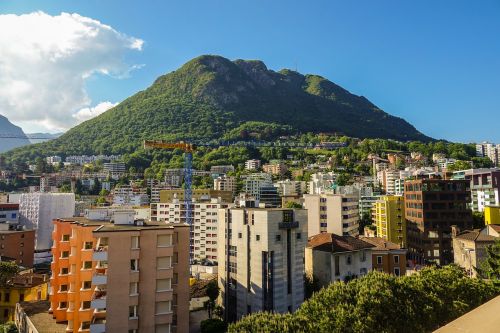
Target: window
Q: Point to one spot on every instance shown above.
(87, 285)
(64, 254)
(87, 265)
(64, 270)
(362, 256)
(7, 297)
(63, 287)
(257, 238)
(21, 297)
(85, 305)
(163, 262)
(164, 240)
(87, 245)
(63, 305)
(396, 271)
(163, 284)
(132, 312)
(240, 235)
(65, 238)
(85, 325)
(135, 242)
(163, 307)
(162, 328)
(362, 271)
(299, 235)
(379, 260)
(175, 258)
(337, 265)
(134, 265)
(278, 238)
(396, 259)
(134, 288)
(348, 259)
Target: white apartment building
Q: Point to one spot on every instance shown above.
(126, 195)
(221, 169)
(204, 224)
(252, 165)
(37, 210)
(490, 150)
(261, 260)
(332, 213)
(254, 183)
(386, 179)
(225, 183)
(291, 187)
(322, 182)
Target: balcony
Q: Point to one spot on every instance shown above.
(288, 225)
(98, 326)
(101, 252)
(99, 279)
(99, 299)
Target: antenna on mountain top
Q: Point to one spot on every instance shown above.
(296, 66)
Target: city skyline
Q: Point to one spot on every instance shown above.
(401, 57)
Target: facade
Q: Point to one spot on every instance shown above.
(204, 224)
(276, 168)
(114, 167)
(221, 169)
(261, 260)
(485, 188)
(389, 217)
(155, 192)
(9, 213)
(432, 206)
(37, 210)
(492, 215)
(225, 183)
(387, 256)
(123, 276)
(127, 195)
(469, 248)
(366, 204)
(489, 150)
(386, 178)
(18, 245)
(252, 165)
(330, 257)
(26, 286)
(291, 187)
(332, 213)
(322, 182)
(197, 195)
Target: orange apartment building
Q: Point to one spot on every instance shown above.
(138, 280)
(387, 257)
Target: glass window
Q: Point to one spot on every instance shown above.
(65, 238)
(85, 305)
(87, 245)
(379, 260)
(87, 285)
(396, 259)
(134, 265)
(87, 265)
(135, 242)
(134, 288)
(163, 284)
(132, 311)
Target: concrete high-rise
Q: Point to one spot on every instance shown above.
(332, 213)
(261, 260)
(432, 207)
(37, 210)
(389, 217)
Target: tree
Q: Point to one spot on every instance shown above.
(311, 285)
(380, 302)
(212, 291)
(7, 271)
(365, 221)
(213, 325)
(8, 327)
(490, 267)
(478, 220)
(459, 165)
(292, 205)
(65, 188)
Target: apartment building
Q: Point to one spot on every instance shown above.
(469, 248)
(198, 194)
(221, 169)
(204, 245)
(330, 257)
(387, 256)
(126, 195)
(225, 183)
(252, 165)
(387, 180)
(291, 187)
(37, 210)
(25, 286)
(9, 213)
(17, 244)
(275, 168)
(490, 150)
(485, 188)
(432, 206)
(123, 275)
(492, 215)
(261, 260)
(322, 182)
(260, 186)
(366, 204)
(389, 217)
(332, 213)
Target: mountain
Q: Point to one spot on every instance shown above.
(11, 136)
(211, 97)
(42, 137)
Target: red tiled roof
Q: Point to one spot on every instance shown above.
(381, 244)
(476, 236)
(334, 243)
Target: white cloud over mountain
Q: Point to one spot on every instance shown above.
(45, 61)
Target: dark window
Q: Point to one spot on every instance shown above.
(257, 237)
(21, 297)
(299, 235)
(278, 238)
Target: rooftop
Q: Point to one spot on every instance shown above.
(110, 226)
(380, 243)
(476, 236)
(38, 314)
(328, 242)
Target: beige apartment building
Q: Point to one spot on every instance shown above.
(261, 260)
(332, 213)
(139, 276)
(225, 183)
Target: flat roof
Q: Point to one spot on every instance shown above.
(102, 226)
(40, 317)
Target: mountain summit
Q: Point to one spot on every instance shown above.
(211, 97)
(9, 129)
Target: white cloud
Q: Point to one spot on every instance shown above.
(91, 112)
(45, 61)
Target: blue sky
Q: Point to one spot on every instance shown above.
(434, 63)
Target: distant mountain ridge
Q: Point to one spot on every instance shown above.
(42, 137)
(9, 129)
(211, 97)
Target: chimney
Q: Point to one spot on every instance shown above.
(455, 230)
